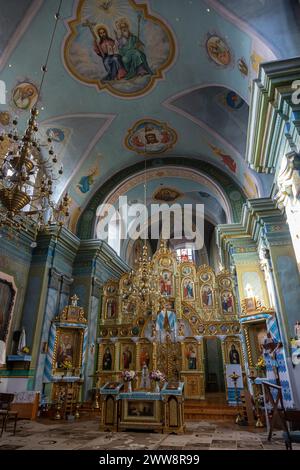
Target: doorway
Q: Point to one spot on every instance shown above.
(214, 368)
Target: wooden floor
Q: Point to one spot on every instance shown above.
(214, 407)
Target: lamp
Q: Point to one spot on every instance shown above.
(27, 177)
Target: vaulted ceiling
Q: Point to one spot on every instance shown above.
(202, 55)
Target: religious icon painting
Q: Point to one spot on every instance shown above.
(127, 356)
(224, 329)
(113, 332)
(145, 358)
(212, 329)
(218, 50)
(67, 348)
(118, 46)
(225, 282)
(107, 357)
(111, 309)
(166, 283)
(201, 329)
(104, 332)
(205, 277)
(165, 262)
(194, 319)
(188, 289)
(24, 96)
(153, 137)
(233, 352)
(124, 332)
(166, 194)
(227, 302)
(7, 297)
(207, 296)
(191, 356)
(186, 310)
(111, 289)
(186, 270)
(135, 330)
(235, 328)
(5, 118)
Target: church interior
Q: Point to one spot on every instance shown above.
(150, 224)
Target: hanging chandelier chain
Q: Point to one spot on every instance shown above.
(27, 176)
(44, 67)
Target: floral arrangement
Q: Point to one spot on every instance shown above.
(25, 350)
(128, 375)
(260, 365)
(157, 376)
(67, 364)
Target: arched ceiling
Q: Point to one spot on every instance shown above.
(203, 55)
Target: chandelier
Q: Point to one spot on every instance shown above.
(27, 176)
(144, 281)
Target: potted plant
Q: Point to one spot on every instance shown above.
(158, 377)
(128, 376)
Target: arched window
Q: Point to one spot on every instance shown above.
(114, 228)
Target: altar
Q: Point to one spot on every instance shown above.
(157, 411)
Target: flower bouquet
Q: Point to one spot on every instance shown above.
(260, 366)
(25, 350)
(158, 377)
(128, 376)
(67, 365)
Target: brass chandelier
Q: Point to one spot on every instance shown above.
(27, 177)
(144, 280)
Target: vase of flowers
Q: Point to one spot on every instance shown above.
(68, 366)
(158, 378)
(260, 366)
(128, 376)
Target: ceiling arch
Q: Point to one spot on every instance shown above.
(217, 183)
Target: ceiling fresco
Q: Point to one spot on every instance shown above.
(99, 48)
(189, 78)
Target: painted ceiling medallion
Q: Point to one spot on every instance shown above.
(150, 136)
(167, 194)
(218, 50)
(118, 46)
(24, 95)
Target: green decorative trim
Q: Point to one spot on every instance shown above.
(87, 219)
(17, 373)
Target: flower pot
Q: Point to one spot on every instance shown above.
(157, 387)
(129, 387)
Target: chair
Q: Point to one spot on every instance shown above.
(5, 411)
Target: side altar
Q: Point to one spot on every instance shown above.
(159, 411)
(65, 360)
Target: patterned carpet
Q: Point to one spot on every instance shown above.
(84, 435)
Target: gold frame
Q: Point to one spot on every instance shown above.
(188, 299)
(102, 349)
(227, 346)
(132, 347)
(77, 354)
